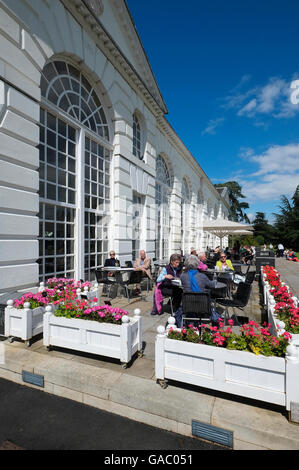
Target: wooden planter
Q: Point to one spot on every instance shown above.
(103, 339)
(23, 323)
(269, 379)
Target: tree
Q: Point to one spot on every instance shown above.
(236, 207)
(263, 231)
(287, 222)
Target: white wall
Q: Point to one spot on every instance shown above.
(31, 33)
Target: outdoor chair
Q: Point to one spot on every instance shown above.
(225, 279)
(135, 277)
(250, 276)
(196, 307)
(239, 299)
(102, 278)
(128, 264)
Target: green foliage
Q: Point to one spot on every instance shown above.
(287, 221)
(237, 208)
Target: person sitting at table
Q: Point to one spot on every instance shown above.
(143, 264)
(194, 281)
(202, 259)
(245, 254)
(165, 288)
(192, 273)
(112, 261)
(217, 253)
(224, 264)
(292, 256)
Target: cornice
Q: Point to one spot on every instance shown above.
(83, 13)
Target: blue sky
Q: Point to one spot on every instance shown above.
(224, 70)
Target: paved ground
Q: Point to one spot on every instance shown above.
(144, 368)
(289, 271)
(48, 422)
(133, 392)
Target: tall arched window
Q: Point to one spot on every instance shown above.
(163, 191)
(137, 137)
(74, 175)
(185, 210)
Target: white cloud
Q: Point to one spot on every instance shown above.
(212, 125)
(278, 158)
(249, 108)
(277, 173)
(271, 99)
(270, 187)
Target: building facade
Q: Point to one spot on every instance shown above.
(88, 160)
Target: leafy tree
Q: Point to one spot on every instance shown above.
(287, 222)
(263, 231)
(237, 208)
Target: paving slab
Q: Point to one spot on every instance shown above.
(289, 273)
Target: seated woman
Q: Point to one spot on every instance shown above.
(202, 259)
(165, 288)
(195, 281)
(292, 256)
(224, 264)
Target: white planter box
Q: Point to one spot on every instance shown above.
(277, 326)
(104, 339)
(23, 323)
(269, 379)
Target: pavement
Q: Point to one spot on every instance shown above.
(133, 392)
(289, 273)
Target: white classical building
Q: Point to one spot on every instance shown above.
(88, 161)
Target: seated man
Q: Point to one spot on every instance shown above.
(143, 264)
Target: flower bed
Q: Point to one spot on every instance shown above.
(24, 316)
(252, 338)
(214, 361)
(283, 311)
(101, 330)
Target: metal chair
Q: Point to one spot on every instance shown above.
(128, 264)
(240, 299)
(134, 278)
(102, 278)
(196, 307)
(250, 276)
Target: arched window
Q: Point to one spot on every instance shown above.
(185, 210)
(74, 175)
(66, 87)
(163, 192)
(137, 137)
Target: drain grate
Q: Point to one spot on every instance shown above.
(33, 379)
(212, 433)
